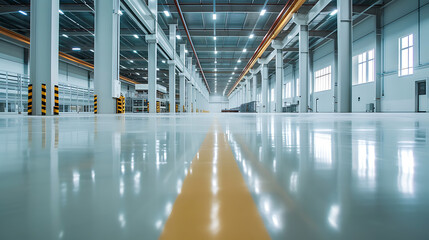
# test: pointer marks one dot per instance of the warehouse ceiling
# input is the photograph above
(239, 28)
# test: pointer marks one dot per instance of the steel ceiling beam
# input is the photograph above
(65, 7)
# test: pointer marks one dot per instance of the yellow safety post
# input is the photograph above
(119, 105)
(30, 100)
(147, 106)
(95, 104)
(177, 108)
(43, 99)
(183, 108)
(123, 104)
(158, 107)
(57, 101)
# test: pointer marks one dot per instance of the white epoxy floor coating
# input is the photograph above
(312, 176)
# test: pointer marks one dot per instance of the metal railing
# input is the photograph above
(14, 95)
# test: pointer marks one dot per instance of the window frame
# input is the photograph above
(323, 79)
(409, 49)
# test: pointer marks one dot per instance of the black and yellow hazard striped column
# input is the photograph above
(57, 101)
(95, 104)
(158, 107)
(177, 108)
(43, 99)
(30, 100)
(123, 104)
(147, 103)
(119, 105)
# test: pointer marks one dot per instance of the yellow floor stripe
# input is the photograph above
(214, 202)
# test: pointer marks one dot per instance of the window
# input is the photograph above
(406, 56)
(322, 79)
(366, 66)
(288, 90)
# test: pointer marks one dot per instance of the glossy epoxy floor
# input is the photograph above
(230, 176)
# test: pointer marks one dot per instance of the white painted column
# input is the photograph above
(254, 86)
(189, 97)
(194, 99)
(172, 71)
(378, 65)
(44, 52)
(172, 85)
(264, 91)
(152, 71)
(303, 68)
(152, 60)
(182, 80)
(279, 81)
(344, 55)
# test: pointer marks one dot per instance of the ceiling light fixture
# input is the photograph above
(136, 36)
(214, 16)
(76, 49)
(64, 35)
(252, 36)
(166, 13)
(214, 38)
(134, 51)
(61, 12)
(334, 12)
(263, 12)
(239, 61)
(244, 50)
(22, 12)
(178, 36)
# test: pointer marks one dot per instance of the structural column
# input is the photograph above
(344, 55)
(378, 65)
(189, 96)
(152, 71)
(264, 91)
(254, 85)
(279, 80)
(172, 85)
(303, 68)
(194, 99)
(182, 85)
(172, 71)
(44, 52)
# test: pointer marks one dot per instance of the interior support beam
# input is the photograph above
(264, 91)
(172, 71)
(279, 80)
(344, 55)
(44, 53)
(303, 68)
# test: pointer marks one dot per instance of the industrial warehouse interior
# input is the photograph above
(214, 119)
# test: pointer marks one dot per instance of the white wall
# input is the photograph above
(217, 103)
(11, 58)
(401, 18)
